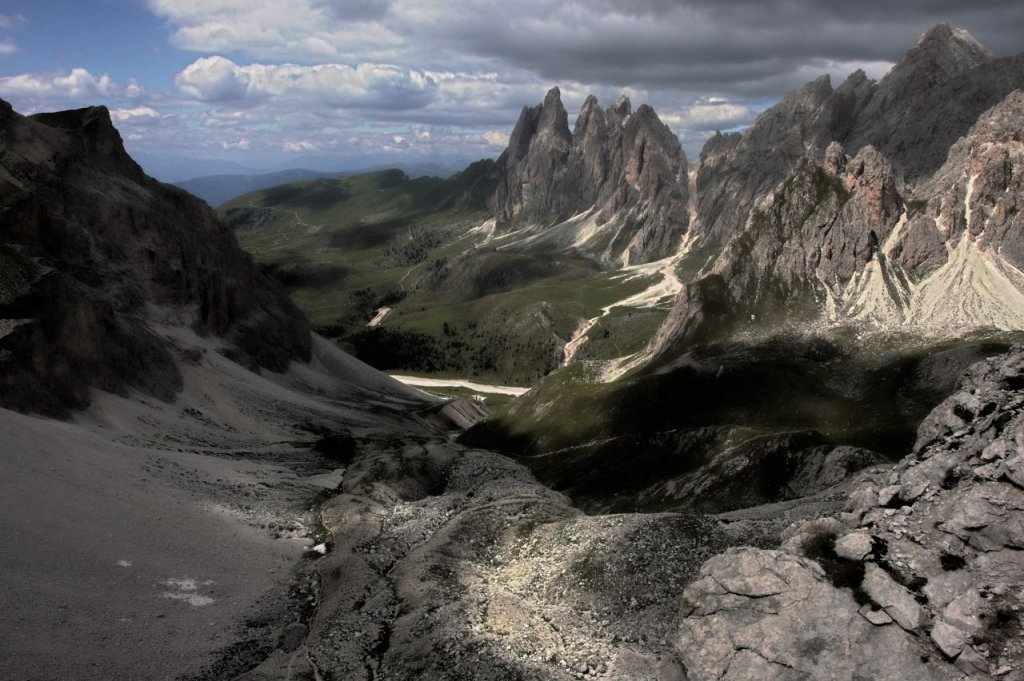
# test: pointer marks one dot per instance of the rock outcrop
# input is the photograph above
(890, 205)
(920, 578)
(95, 255)
(615, 187)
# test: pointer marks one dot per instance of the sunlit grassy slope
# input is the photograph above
(347, 247)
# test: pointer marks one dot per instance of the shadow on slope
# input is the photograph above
(756, 414)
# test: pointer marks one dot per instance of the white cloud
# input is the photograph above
(300, 146)
(134, 115)
(712, 113)
(298, 29)
(77, 83)
(133, 90)
(496, 138)
(7, 47)
(217, 79)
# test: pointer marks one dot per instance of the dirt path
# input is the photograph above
(667, 285)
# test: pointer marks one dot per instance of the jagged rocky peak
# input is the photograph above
(893, 204)
(946, 48)
(553, 116)
(931, 98)
(614, 188)
(942, 53)
(622, 108)
(94, 255)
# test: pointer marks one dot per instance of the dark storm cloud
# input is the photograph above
(438, 75)
(738, 46)
(357, 10)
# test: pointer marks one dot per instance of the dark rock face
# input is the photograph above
(624, 169)
(923, 569)
(94, 252)
(892, 204)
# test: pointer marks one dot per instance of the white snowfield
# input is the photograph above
(419, 382)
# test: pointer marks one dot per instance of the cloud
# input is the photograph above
(7, 47)
(496, 138)
(746, 48)
(711, 113)
(217, 79)
(135, 115)
(300, 146)
(241, 144)
(298, 29)
(78, 83)
(737, 47)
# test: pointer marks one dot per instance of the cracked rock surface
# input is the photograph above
(922, 577)
(453, 563)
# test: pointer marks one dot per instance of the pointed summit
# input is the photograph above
(590, 118)
(622, 106)
(947, 33)
(944, 51)
(553, 115)
(553, 97)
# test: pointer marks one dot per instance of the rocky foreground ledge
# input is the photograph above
(921, 578)
(451, 563)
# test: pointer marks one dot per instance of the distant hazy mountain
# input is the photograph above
(218, 189)
(221, 188)
(171, 168)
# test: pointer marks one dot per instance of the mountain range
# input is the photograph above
(774, 427)
(871, 204)
(219, 189)
(860, 208)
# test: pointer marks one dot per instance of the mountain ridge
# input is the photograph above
(102, 251)
(787, 234)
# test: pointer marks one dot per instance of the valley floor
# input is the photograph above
(147, 540)
(173, 541)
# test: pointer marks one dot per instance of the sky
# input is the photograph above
(338, 84)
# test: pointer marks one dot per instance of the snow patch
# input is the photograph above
(187, 589)
(421, 382)
(379, 318)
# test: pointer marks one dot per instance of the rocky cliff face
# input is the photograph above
(95, 256)
(889, 204)
(920, 577)
(615, 187)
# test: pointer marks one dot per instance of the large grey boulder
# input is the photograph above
(760, 615)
